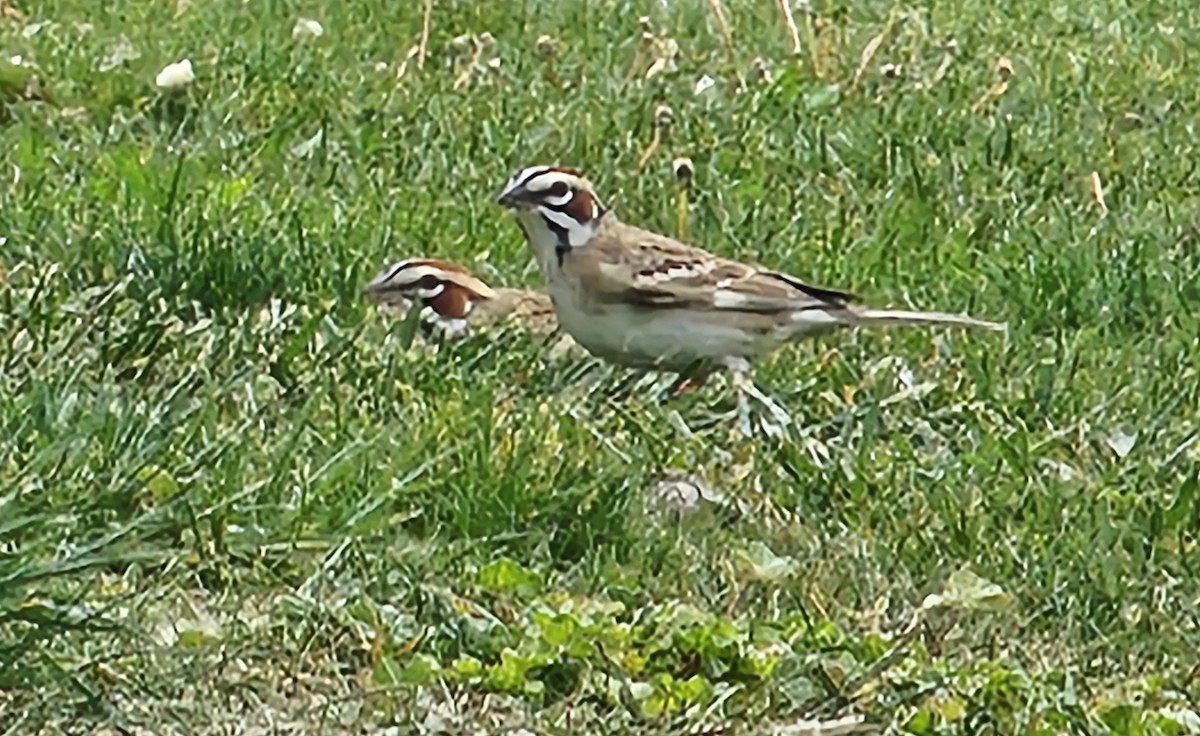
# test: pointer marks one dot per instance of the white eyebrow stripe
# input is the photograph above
(522, 178)
(394, 269)
(408, 276)
(533, 173)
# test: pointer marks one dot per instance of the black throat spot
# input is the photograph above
(564, 240)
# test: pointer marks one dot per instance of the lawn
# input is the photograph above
(235, 499)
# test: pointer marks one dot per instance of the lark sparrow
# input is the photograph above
(642, 299)
(453, 301)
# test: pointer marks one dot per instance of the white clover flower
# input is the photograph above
(174, 76)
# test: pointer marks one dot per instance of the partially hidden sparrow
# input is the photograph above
(645, 300)
(453, 302)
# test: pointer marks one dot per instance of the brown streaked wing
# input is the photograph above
(693, 275)
(828, 297)
(466, 280)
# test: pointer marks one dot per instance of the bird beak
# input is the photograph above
(510, 196)
(374, 286)
(381, 288)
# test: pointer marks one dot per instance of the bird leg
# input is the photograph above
(626, 383)
(684, 383)
(743, 382)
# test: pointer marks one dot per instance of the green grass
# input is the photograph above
(229, 496)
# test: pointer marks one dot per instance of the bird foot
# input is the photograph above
(776, 419)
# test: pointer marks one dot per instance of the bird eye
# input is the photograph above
(428, 282)
(558, 189)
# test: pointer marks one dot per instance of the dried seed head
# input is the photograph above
(546, 46)
(1097, 188)
(762, 70)
(494, 63)
(1131, 120)
(683, 169)
(952, 46)
(663, 116)
(486, 40)
(663, 51)
(658, 67)
(647, 26)
(891, 71)
(461, 43)
(677, 494)
(1004, 68)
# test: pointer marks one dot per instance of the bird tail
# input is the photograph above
(899, 317)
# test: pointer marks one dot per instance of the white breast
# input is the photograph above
(668, 339)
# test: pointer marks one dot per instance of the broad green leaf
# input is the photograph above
(467, 667)
(386, 673)
(823, 98)
(198, 631)
(1184, 508)
(14, 80)
(159, 482)
(508, 576)
(695, 689)
(556, 630)
(420, 670)
(921, 722)
(966, 590)
(761, 564)
(509, 674)
(1124, 720)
